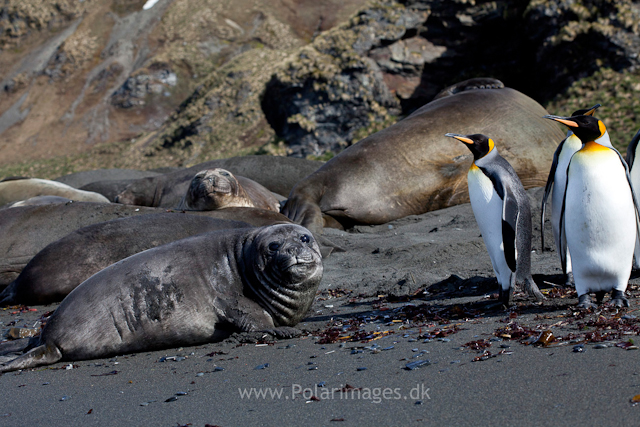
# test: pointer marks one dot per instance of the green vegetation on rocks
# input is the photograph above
(619, 94)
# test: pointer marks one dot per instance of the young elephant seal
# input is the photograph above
(218, 188)
(184, 293)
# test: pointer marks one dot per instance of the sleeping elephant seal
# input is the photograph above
(276, 173)
(37, 201)
(27, 230)
(410, 167)
(189, 292)
(80, 179)
(61, 266)
(15, 190)
(218, 188)
(109, 189)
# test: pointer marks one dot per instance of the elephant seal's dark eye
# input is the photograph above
(274, 246)
(224, 174)
(305, 238)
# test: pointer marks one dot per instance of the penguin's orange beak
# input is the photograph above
(564, 120)
(460, 138)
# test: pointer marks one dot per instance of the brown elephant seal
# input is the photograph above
(15, 190)
(109, 188)
(62, 265)
(80, 179)
(410, 167)
(192, 291)
(277, 174)
(27, 230)
(218, 188)
(477, 83)
(37, 201)
(108, 182)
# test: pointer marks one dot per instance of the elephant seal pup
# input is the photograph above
(218, 188)
(15, 190)
(278, 174)
(410, 167)
(189, 292)
(61, 266)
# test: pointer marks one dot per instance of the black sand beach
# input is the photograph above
(417, 289)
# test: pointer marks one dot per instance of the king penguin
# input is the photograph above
(599, 214)
(558, 179)
(634, 174)
(501, 207)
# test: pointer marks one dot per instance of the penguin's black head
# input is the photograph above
(586, 112)
(480, 145)
(587, 128)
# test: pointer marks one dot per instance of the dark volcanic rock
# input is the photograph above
(135, 89)
(576, 38)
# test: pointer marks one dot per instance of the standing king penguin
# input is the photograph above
(599, 214)
(634, 174)
(502, 211)
(558, 180)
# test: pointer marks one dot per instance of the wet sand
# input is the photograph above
(417, 289)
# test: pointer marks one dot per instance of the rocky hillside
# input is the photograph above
(107, 83)
(79, 76)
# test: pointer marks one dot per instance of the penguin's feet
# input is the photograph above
(570, 282)
(533, 291)
(618, 299)
(584, 301)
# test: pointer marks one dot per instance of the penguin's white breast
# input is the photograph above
(599, 213)
(487, 208)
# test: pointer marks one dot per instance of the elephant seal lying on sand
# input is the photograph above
(27, 230)
(277, 174)
(410, 167)
(218, 188)
(61, 266)
(15, 190)
(188, 292)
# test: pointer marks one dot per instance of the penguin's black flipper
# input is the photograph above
(510, 215)
(547, 189)
(631, 149)
(563, 236)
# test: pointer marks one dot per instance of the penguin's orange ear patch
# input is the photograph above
(491, 144)
(602, 128)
